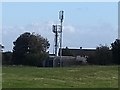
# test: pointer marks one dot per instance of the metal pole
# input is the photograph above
(56, 42)
(61, 45)
(56, 35)
(61, 20)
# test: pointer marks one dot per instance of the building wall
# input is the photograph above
(65, 61)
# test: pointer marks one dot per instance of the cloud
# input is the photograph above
(88, 36)
(11, 33)
(69, 29)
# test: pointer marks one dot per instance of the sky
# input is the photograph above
(85, 24)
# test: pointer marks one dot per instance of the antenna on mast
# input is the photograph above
(54, 28)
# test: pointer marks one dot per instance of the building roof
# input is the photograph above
(75, 52)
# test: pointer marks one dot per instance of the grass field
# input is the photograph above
(67, 77)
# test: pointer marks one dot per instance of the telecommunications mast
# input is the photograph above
(57, 29)
(54, 28)
(61, 20)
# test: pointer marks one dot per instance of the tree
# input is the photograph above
(103, 55)
(29, 49)
(116, 51)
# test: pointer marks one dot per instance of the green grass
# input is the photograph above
(67, 77)
(0, 77)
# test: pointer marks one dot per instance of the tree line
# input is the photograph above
(31, 49)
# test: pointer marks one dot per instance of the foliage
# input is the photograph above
(29, 48)
(7, 58)
(103, 55)
(116, 51)
(91, 59)
(35, 59)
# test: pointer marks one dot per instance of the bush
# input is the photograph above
(35, 59)
(103, 55)
(7, 58)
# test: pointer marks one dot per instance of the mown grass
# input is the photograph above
(66, 77)
(0, 77)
